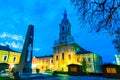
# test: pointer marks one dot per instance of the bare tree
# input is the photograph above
(116, 41)
(101, 15)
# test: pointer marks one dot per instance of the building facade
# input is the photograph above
(117, 58)
(44, 63)
(9, 56)
(67, 51)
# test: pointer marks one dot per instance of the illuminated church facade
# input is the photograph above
(67, 51)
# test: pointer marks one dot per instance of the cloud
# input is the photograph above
(36, 49)
(5, 35)
(16, 37)
(16, 45)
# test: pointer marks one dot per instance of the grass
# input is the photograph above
(5, 78)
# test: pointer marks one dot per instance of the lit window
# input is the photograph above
(62, 69)
(73, 69)
(14, 58)
(69, 56)
(42, 67)
(89, 59)
(111, 70)
(63, 56)
(57, 57)
(5, 58)
(83, 59)
(77, 60)
(52, 61)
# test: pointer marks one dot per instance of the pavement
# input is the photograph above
(61, 77)
(41, 76)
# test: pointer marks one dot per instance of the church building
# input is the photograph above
(66, 52)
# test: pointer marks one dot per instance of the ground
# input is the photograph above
(40, 76)
(63, 77)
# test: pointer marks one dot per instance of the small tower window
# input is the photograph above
(68, 29)
(62, 28)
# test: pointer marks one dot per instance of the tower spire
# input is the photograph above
(65, 31)
(65, 16)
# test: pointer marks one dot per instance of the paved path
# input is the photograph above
(50, 77)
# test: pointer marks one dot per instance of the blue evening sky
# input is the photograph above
(46, 15)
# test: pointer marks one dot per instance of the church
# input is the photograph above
(66, 52)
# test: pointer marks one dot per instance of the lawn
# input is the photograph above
(5, 78)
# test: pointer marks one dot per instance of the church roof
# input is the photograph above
(44, 56)
(110, 65)
(6, 48)
(83, 52)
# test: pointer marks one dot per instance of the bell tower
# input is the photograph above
(65, 31)
(64, 47)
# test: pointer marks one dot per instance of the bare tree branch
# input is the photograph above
(100, 15)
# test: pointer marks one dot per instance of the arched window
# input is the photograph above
(14, 59)
(69, 56)
(63, 56)
(62, 28)
(68, 29)
(5, 58)
(56, 57)
(52, 61)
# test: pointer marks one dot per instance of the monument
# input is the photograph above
(25, 64)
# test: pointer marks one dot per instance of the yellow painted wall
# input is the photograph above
(62, 64)
(10, 55)
(42, 64)
(90, 64)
